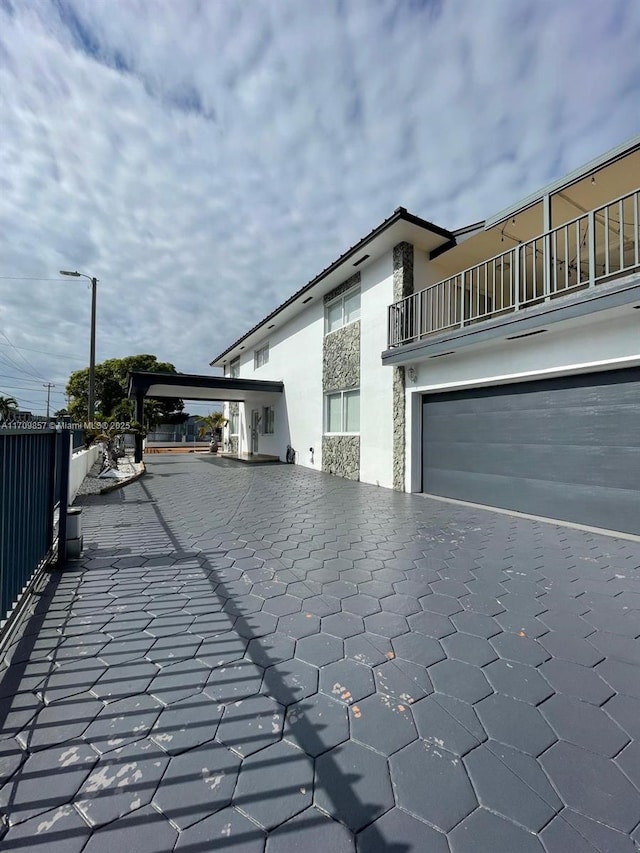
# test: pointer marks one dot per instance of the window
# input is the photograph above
(234, 368)
(261, 356)
(234, 421)
(342, 412)
(268, 420)
(345, 309)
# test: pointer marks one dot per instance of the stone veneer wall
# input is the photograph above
(341, 359)
(402, 286)
(341, 455)
(341, 371)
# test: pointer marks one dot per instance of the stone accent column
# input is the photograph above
(341, 371)
(402, 286)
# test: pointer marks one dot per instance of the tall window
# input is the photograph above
(234, 420)
(345, 309)
(234, 368)
(261, 356)
(342, 412)
(268, 420)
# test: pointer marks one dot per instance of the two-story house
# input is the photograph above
(497, 364)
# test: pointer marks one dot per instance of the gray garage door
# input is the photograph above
(564, 448)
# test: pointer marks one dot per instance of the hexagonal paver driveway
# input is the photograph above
(270, 659)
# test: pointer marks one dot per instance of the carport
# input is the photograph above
(190, 386)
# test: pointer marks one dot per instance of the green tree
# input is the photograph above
(111, 390)
(210, 425)
(8, 405)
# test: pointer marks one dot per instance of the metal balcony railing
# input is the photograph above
(591, 248)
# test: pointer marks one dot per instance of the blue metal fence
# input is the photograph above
(78, 439)
(34, 468)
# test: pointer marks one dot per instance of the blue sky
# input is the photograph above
(206, 159)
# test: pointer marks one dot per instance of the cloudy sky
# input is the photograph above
(206, 158)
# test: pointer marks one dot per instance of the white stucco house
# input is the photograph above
(497, 364)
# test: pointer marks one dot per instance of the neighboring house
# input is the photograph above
(497, 364)
(182, 432)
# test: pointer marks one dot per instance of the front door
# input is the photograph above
(255, 423)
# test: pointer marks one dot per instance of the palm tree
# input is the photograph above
(212, 423)
(7, 406)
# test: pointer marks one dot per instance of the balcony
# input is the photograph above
(595, 247)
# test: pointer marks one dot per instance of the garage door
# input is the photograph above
(565, 448)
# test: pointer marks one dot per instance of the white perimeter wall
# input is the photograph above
(79, 466)
(603, 341)
(376, 381)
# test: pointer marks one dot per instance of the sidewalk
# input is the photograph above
(271, 659)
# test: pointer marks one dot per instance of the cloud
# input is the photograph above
(204, 160)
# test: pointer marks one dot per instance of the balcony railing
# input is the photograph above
(584, 252)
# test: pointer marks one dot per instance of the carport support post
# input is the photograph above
(139, 415)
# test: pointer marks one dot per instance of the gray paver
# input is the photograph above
(584, 725)
(187, 723)
(30, 791)
(274, 785)
(251, 724)
(381, 633)
(484, 832)
(60, 830)
(123, 722)
(518, 681)
(65, 720)
(447, 800)
(122, 781)
(352, 785)
(515, 723)
(512, 784)
(448, 723)
(572, 831)
(347, 681)
(317, 724)
(227, 830)
(152, 832)
(459, 680)
(383, 723)
(197, 783)
(310, 830)
(593, 786)
(398, 830)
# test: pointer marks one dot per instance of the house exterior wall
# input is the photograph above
(295, 357)
(311, 364)
(596, 342)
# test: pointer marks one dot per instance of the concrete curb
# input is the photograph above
(121, 483)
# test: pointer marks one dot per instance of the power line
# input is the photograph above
(22, 388)
(32, 369)
(21, 378)
(26, 278)
(44, 352)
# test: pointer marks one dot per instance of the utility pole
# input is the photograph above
(48, 386)
(92, 356)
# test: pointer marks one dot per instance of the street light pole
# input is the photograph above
(91, 402)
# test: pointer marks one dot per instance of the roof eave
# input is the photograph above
(399, 214)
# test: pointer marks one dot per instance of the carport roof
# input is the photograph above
(192, 386)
